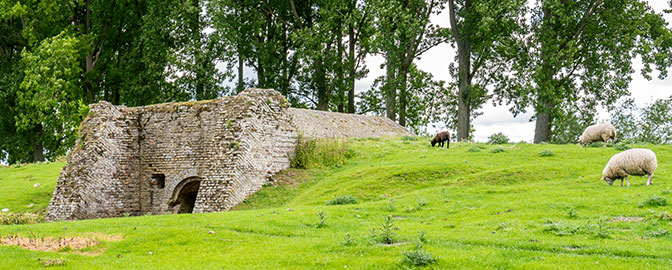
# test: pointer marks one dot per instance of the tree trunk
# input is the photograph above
(340, 70)
(403, 77)
(200, 62)
(542, 131)
(464, 92)
(351, 67)
(321, 85)
(38, 149)
(464, 73)
(89, 59)
(390, 90)
(241, 83)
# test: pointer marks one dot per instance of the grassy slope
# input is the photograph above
(482, 210)
(19, 189)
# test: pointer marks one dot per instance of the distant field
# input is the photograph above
(472, 207)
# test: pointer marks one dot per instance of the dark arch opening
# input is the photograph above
(184, 197)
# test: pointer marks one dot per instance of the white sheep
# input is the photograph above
(635, 161)
(599, 132)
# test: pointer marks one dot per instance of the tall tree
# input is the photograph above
(581, 52)
(484, 33)
(404, 33)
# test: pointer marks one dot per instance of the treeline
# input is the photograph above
(559, 58)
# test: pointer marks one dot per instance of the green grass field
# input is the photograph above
(470, 207)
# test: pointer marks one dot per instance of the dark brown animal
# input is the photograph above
(443, 136)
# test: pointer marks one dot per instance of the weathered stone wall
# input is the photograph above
(321, 124)
(100, 178)
(196, 157)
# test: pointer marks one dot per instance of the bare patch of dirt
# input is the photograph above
(60, 244)
(626, 219)
(393, 244)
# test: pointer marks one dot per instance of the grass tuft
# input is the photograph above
(410, 138)
(341, 200)
(546, 153)
(321, 153)
(497, 150)
(19, 218)
(653, 201)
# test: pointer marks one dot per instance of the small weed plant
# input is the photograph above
(348, 240)
(418, 256)
(321, 219)
(385, 233)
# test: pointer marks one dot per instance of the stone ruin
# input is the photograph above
(190, 157)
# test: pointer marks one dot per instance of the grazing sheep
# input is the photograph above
(635, 161)
(443, 136)
(599, 132)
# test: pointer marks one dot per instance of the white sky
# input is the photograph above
(499, 119)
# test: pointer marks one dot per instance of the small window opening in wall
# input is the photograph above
(158, 180)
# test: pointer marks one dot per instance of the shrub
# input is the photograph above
(19, 218)
(653, 201)
(621, 146)
(498, 138)
(321, 153)
(546, 153)
(340, 200)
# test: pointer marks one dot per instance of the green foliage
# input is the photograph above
(321, 153)
(651, 124)
(653, 201)
(498, 138)
(19, 218)
(52, 98)
(546, 153)
(341, 200)
(474, 149)
(579, 55)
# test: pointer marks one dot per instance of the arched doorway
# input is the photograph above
(184, 195)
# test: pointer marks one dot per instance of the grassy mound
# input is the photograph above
(416, 206)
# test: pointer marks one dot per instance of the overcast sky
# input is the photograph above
(499, 119)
